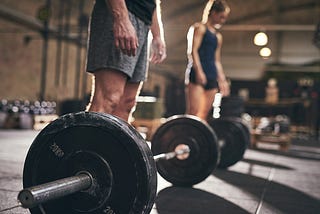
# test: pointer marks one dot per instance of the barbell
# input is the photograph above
(91, 162)
(231, 138)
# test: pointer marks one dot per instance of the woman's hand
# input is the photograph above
(224, 87)
(201, 78)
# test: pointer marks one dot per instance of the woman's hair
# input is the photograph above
(214, 6)
(219, 6)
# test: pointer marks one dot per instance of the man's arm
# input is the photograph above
(158, 47)
(125, 36)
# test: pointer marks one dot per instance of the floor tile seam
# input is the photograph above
(10, 208)
(9, 190)
(267, 184)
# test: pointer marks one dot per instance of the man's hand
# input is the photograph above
(158, 50)
(125, 36)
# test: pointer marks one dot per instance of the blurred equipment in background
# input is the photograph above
(17, 114)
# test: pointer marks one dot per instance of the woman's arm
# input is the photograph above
(221, 78)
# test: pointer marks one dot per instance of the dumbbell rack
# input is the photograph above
(283, 140)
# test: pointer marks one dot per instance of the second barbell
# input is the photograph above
(219, 143)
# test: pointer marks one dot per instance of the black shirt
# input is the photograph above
(143, 9)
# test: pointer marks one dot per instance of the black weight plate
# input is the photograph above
(244, 126)
(204, 151)
(232, 138)
(97, 143)
(246, 130)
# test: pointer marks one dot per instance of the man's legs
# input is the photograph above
(128, 101)
(108, 87)
(113, 94)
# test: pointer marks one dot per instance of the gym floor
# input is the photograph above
(265, 181)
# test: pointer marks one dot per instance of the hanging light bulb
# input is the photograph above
(265, 52)
(260, 39)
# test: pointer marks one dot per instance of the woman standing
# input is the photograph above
(204, 75)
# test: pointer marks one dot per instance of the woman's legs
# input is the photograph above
(198, 100)
(206, 105)
(193, 98)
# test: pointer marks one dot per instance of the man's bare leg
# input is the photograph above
(128, 101)
(109, 86)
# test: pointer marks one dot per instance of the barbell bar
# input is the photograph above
(181, 152)
(31, 197)
(96, 163)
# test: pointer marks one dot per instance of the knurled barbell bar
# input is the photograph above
(107, 164)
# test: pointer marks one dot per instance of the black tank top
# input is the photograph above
(143, 9)
(207, 52)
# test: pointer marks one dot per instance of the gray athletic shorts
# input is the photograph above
(102, 53)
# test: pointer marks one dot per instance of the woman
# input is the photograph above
(205, 75)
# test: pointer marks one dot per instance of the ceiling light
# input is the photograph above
(260, 39)
(265, 52)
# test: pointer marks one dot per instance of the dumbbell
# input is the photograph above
(90, 162)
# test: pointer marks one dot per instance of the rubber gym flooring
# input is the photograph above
(265, 181)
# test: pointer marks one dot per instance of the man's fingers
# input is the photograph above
(158, 57)
(122, 43)
(133, 45)
(127, 46)
(117, 43)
